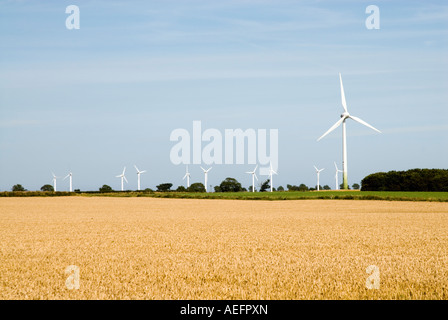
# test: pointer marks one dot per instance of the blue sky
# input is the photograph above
(108, 95)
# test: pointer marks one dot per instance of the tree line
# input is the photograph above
(409, 180)
(227, 185)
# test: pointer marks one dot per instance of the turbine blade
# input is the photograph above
(184, 177)
(203, 169)
(337, 124)
(364, 123)
(255, 176)
(66, 176)
(143, 171)
(336, 166)
(316, 168)
(136, 168)
(344, 103)
(125, 179)
(256, 168)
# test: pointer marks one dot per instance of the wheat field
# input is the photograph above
(149, 248)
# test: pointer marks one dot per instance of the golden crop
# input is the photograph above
(148, 248)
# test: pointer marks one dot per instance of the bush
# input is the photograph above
(105, 188)
(181, 189)
(196, 187)
(18, 187)
(47, 187)
(164, 187)
(230, 185)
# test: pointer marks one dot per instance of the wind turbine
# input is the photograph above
(271, 171)
(187, 175)
(122, 178)
(138, 176)
(205, 176)
(71, 185)
(344, 116)
(254, 176)
(54, 181)
(318, 173)
(336, 176)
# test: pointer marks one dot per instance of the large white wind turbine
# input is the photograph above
(138, 176)
(205, 176)
(318, 173)
(71, 185)
(344, 116)
(271, 171)
(336, 176)
(254, 176)
(122, 178)
(187, 175)
(54, 181)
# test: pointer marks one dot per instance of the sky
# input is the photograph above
(108, 95)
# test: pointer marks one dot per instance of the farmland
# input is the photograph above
(150, 248)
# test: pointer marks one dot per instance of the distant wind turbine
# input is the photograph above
(344, 116)
(318, 173)
(271, 171)
(122, 179)
(71, 185)
(54, 181)
(187, 175)
(254, 176)
(205, 176)
(336, 176)
(138, 176)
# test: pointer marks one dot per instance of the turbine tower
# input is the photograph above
(187, 175)
(205, 176)
(138, 176)
(71, 185)
(336, 176)
(318, 173)
(271, 171)
(344, 116)
(122, 178)
(54, 181)
(254, 176)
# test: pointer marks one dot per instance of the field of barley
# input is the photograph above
(150, 248)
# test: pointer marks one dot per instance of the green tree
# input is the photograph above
(18, 187)
(196, 187)
(217, 188)
(105, 188)
(326, 187)
(163, 187)
(181, 189)
(230, 185)
(265, 186)
(355, 186)
(47, 187)
(303, 187)
(280, 188)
